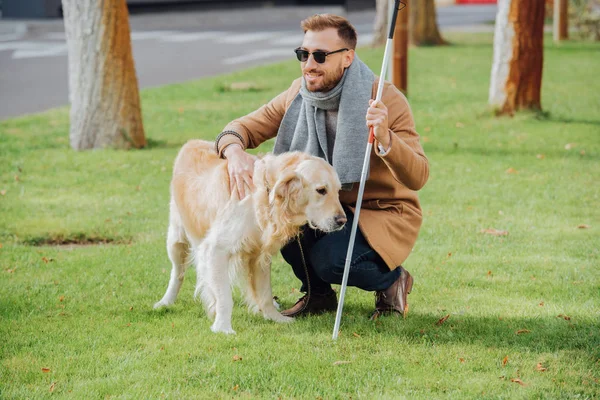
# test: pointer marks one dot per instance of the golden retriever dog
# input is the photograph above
(232, 240)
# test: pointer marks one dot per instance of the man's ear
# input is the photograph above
(348, 57)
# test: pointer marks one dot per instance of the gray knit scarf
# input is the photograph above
(303, 125)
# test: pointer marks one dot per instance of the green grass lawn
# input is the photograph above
(524, 309)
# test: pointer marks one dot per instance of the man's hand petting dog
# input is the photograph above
(240, 166)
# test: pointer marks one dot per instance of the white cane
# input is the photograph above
(363, 177)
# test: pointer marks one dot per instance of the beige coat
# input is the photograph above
(391, 215)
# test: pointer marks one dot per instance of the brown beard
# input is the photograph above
(329, 82)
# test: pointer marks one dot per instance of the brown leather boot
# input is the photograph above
(393, 299)
(316, 304)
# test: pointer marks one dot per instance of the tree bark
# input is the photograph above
(425, 30)
(380, 31)
(516, 77)
(561, 20)
(400, 59)
(103, 88)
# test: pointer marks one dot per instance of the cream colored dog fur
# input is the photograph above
(233, 241)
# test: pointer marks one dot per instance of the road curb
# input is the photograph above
(12, 30)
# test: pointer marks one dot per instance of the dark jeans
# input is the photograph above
(325, 256)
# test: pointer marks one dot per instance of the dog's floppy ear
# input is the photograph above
(289, 185)
(289, 190)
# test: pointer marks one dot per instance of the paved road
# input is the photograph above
(172, 47)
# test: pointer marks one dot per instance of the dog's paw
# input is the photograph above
(282, 319)
(162, 303)
(219, 329)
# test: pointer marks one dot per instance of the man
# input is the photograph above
(323, 113)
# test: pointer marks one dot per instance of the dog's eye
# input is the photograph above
(322, 191)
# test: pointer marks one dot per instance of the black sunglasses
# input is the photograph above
(319, 55)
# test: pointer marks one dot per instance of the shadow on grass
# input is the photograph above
(161, 144)
(548, 118)
(458, 148)
(542, 333)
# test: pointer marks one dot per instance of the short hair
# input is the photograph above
(320, 22)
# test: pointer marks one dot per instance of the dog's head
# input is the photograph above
(306, 189)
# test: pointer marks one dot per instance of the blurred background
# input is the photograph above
(180, 40)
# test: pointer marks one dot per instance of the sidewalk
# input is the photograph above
(186, 20)
(11, 30)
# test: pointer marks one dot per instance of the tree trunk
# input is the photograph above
(380, 31)
(400, 59)
(560, 20)
(103, 89)
(516, 78)
(425, 30)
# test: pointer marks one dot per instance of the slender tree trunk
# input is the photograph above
(561, 20)
(103, 89)
(400, 59)
(381, 22)
(425, 30)
(516, 78)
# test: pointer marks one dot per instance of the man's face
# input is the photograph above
(324, 77)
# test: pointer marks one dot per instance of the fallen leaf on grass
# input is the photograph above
(569, 146)
(521, 331)
(583, 226)
(47, 260)
(505, 361)
(489, 273)
(541, 304)
(52, 387)
(3, 192)
(236, 387)
(17, 178)
(511, 170)
(442, 320)
(582, 152)
(341, 362)
(494, 232)
(540, 156)
(462, 360)
(237, 358)
(517, 380)
(540, 368)
(427, 129)
(61, 298)
(460, 125)
(355, 334)
(565, 317)
(45, 370)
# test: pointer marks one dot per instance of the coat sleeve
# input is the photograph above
(405, 157)
(255, 128)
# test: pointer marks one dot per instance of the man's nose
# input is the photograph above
(310, 63)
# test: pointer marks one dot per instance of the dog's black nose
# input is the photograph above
(340, 220)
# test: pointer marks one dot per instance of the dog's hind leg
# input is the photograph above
(177, 248)
(260, 283)
(218, 284)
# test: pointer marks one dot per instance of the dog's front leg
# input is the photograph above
(217, 279)
(264, 293)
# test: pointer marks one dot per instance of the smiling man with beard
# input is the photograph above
(328, 113)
